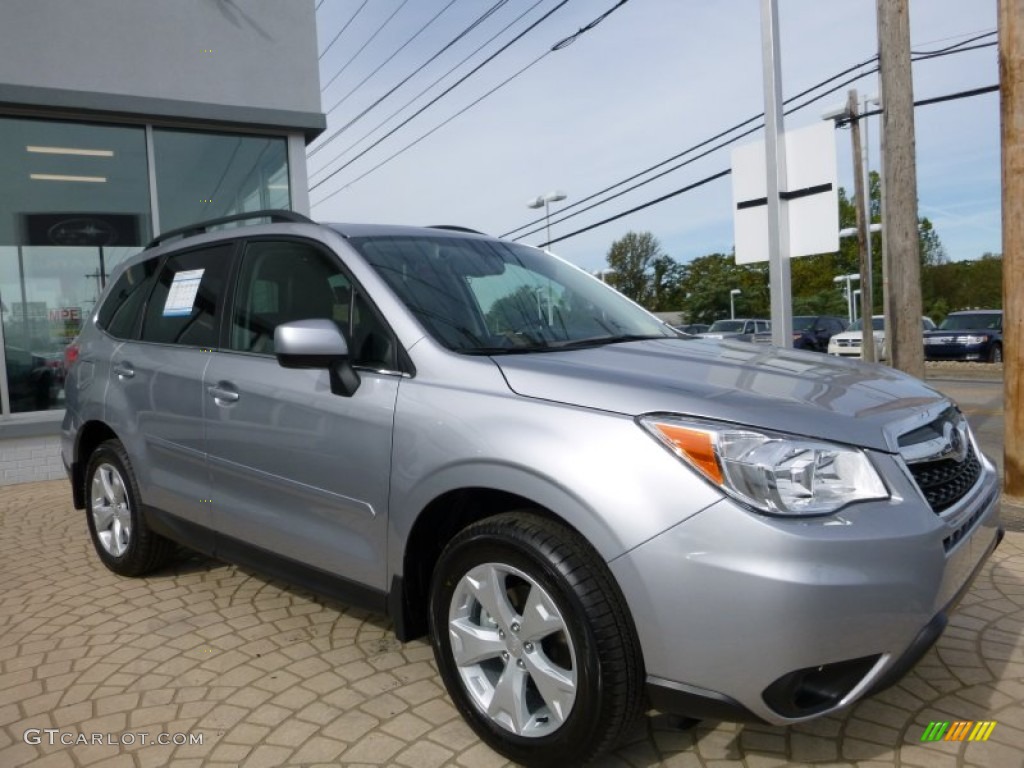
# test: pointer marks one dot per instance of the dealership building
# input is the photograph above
(120, 120)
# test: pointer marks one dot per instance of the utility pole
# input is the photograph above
(1011, 107)
(903, 305)
(867, 351)
(775, 157)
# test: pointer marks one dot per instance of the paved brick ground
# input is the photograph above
(273, 677)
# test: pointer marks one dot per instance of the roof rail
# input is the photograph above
(455, 228)
(201, 227)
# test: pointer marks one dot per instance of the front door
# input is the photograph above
(295, 469)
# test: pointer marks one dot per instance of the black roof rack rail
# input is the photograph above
(203, 226)
(455, 228)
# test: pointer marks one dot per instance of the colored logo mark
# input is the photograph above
(961, 730)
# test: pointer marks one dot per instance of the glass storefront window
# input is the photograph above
(74, 200)
(206, 175)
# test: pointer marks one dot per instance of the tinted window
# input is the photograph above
(972, 322)
(119, 316)
(284, 281)
(185, 305)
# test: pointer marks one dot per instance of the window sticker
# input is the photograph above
(182, 295)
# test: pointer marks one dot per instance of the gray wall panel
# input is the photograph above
(254, 54)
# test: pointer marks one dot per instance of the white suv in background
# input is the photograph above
(847, 344)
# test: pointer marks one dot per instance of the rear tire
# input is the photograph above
(123, 540)
(534, 641)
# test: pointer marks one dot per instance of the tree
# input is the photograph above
(708, 280)
(640, 270)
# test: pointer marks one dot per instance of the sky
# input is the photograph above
(654, 78)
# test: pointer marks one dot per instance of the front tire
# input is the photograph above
(117, 526)
(533, 640)
(995, 354)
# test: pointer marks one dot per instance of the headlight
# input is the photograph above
(773, 473)
(975, 339)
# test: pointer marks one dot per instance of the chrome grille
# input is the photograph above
(945, 482)
(942, 460)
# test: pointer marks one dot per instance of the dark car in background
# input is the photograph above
(810, 332)
(692, 329)
(969, 335)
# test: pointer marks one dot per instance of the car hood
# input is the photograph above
(791, 391)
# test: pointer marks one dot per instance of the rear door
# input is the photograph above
(155, 396)
(297, 470)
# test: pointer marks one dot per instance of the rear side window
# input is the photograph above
(120, 314)
(185, 305)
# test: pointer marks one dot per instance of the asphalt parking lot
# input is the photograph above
(263, 675)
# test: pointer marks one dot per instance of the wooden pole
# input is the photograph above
(1011, 107)
(867, 347)
(903, 305)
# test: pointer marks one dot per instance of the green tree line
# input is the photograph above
(638, 267)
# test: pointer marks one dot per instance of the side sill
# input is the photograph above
(241, 553)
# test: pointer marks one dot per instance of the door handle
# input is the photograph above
(223, 395)
(124, 370)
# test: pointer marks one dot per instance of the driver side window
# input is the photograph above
(283, 281)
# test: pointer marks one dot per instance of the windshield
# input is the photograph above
(803, 322)
(726, 326)
(490, 297)
(991, 321)
(877, 324)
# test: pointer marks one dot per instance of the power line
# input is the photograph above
(479, 19)
(694, 148)
(373, 130)
(386, 61)
(923, 55)
(955, 45)
(437, 127)
(648, 204)
(920, 103)
(342, 30)
(444, 93)
(362, 48)
(560, 45)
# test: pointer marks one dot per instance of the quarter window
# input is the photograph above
(119, 315)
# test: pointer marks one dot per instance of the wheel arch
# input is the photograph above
(438, 522)
(90, 435)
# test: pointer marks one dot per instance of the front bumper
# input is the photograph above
(956, 351)
(747, 617)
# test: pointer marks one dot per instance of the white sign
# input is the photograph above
(182, 295)
(810, 200)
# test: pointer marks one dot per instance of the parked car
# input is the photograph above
(741, 329)
(847, 344)
(810, 332)
(971, 335)
(588, 514)
(693, 329)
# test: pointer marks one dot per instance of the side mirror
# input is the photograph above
(317, 343)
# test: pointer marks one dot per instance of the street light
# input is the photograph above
(544, 201)
(732, 302)
(849, 296)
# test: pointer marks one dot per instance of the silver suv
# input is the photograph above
(589, 514)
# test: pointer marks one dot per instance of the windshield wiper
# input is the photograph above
(600, 341)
